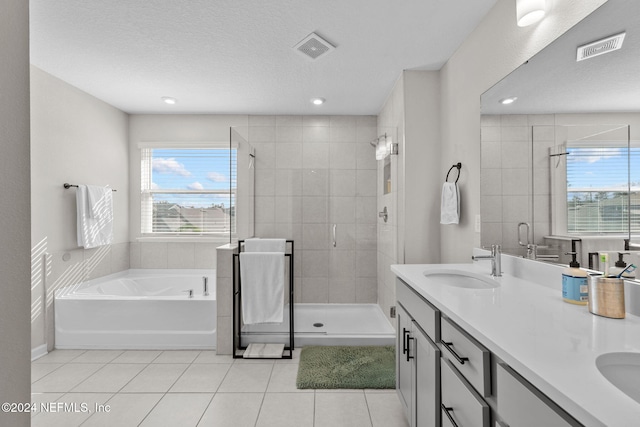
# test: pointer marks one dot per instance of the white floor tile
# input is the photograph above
(201, 378)
(71, 410)
(286, 410)
(177, 356)
(111, 378)
(97, 356)
(247, 377)
(283, 379)
(125, 410)
(60, 356)
(178, 409)
(385, 410)
(232, 409)
(155, 378)
(294, 359)
(212, 357)
(341, 409)
(65, 378)
(39, 370)
(46, 399)
(137, 356)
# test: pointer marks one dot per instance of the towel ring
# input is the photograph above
(457, 166)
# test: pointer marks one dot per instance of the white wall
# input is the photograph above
(412, 232)
(79, 139)
(15, 221)
(494, 49)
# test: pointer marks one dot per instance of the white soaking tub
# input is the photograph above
(138, 309)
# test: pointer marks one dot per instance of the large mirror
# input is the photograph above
(558, 166)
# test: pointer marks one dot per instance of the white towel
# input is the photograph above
(262, 279)
(265, 245)
(450, 207)
(95, 216)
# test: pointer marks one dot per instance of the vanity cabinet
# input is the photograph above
(417, 361)
(458, 382)
(521, 405)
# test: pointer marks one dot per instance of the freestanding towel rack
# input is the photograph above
(238, 347)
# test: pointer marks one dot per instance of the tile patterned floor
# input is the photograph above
(193, 388)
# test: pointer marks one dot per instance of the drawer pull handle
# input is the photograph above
(409, 356)
(448, 346)
(405, 334)
(446, 411)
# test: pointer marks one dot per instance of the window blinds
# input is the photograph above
(598, 182)
(188, 190)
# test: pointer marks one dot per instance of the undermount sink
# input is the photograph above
(461, 279)
(623, 371)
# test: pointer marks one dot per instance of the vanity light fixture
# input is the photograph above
(507, 101)
(169, 100)
(530, 11)
(318, 101)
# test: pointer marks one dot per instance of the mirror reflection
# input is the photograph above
(559, 163)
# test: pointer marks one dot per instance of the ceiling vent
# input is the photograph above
(313, 47)
(600, 47)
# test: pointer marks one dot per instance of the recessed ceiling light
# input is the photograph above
(507, 101)
(169, 100)
(318, 101)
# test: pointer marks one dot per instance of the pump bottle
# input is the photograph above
(575, 288)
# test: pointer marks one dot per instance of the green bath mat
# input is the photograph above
(347, 367)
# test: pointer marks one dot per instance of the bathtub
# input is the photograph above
(138, 309)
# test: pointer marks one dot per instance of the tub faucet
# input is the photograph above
(205, 286)
(496, 264)
(190, 292)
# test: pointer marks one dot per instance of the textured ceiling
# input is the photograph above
(553, 82)
(236, 56)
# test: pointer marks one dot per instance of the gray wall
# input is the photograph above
(15, 221)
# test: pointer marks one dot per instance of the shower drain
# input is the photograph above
(318, 325)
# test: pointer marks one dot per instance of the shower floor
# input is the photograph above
(327, 324)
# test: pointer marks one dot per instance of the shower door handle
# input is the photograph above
(335, 227)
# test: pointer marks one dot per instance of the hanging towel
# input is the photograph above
(265, 245)
(95, 216)
(262, 279)
(450, 207)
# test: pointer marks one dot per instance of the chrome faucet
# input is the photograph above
(495, 257)
(205, 286)
(190, 291)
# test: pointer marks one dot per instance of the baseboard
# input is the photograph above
(38, 352)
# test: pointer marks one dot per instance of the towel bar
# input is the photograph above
(457, 166)
(66, 185)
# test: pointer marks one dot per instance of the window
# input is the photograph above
(188, 191)
(597, 189)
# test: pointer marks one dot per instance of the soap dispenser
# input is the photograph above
(575, 288)
(619, 267)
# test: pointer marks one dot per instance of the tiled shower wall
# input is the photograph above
(313, 172)
(515, 177)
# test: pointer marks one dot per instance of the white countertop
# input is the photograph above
(551, 343)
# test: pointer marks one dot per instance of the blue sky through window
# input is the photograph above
(195, 170)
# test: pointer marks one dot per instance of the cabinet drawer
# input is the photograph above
(426, 315)
(467, 355)
(522, 405)
(461, 406)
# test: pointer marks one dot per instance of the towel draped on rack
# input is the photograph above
(94, 215)
(262, 279)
